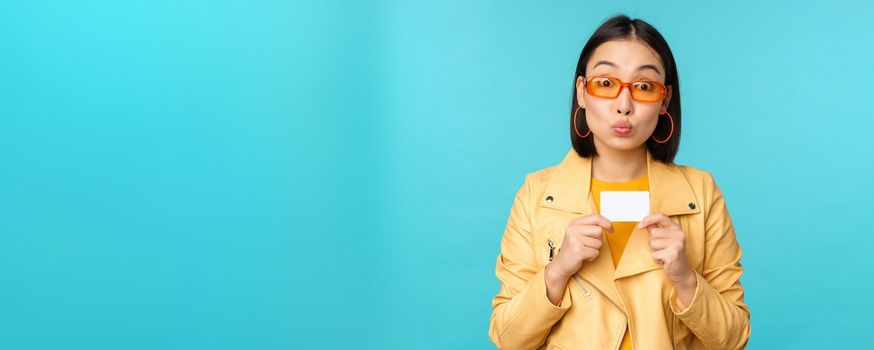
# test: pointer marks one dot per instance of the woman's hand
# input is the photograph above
(582, 242)
(668, 241)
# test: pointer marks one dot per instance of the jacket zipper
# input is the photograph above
(551, 245)
(551, 248)
(577, 279)
(619, 342)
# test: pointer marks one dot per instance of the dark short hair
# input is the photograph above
(621, 27)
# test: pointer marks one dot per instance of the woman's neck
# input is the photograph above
(619, 165)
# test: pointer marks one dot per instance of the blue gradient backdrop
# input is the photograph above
(287, 175)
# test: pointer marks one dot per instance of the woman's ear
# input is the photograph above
(581, 102)
(667, 101)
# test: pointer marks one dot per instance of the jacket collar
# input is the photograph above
(670, 193)
(569, 189)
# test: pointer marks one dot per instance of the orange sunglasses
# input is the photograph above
(609, 87)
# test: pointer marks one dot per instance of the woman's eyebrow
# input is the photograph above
(645, 66)
(649, 66)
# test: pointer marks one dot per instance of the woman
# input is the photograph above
(571, 278)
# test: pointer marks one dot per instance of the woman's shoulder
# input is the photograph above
(540, 177)
(535, 183)
(693, 173)
(700, 180)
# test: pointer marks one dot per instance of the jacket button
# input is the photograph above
(548, 199)
(691, 205)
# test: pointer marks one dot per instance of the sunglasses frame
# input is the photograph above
(629, 85)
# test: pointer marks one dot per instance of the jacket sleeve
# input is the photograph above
(717, 314)
(522, 314)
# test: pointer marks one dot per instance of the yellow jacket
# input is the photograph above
(601, 300)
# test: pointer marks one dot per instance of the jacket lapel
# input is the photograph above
(671, 194)
(569, 190)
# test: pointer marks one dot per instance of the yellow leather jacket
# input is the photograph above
(601, 300)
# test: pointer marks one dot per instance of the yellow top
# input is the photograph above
(622, 230)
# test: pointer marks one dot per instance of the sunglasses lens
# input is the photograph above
(604, 87)
(646, 91)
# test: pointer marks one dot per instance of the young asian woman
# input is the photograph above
(572, 279)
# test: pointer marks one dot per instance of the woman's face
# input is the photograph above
(628, 60)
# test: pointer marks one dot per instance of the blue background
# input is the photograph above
(277, 175)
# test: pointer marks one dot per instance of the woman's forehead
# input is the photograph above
(627, 57)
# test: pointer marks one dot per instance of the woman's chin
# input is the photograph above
(623, 143)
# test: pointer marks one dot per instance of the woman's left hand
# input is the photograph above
(667, 240)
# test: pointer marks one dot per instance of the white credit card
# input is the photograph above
(624, 205)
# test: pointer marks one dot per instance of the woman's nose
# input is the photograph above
(624, 105)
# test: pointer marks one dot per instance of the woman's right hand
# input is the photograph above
(582, 242)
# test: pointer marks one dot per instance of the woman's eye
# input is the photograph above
(605, 83)
(644, 86)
